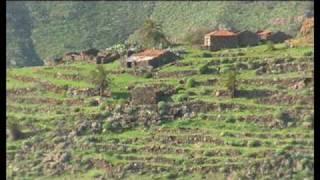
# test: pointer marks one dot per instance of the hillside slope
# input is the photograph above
(197, 132)
(56, 27)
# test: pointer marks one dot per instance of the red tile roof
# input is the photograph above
(221, 33)
(150, 52)
(264, 32)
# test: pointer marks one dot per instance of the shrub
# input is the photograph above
(191, 83)
(93, 102)
(147, 75)
(206, 55)
(179, 88)
(100, 79)
(231, 83)
(202, 116)
(77, 109)
(196, 36)
(203, 69)
(309, 118)
(230, 119)
(191, 93)
(182, 97)
(254, 143)
(205, 91)
(14, 131)
(208, 153)
(270, 46)
(282, 117)
(162, 105)
(308, 53)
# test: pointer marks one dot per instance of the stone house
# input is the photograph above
(264, 35)
(71, 56)
(279, 37)
(248, 38)
(150, 58)
(220, 39)
(89, 54)
(103, 58)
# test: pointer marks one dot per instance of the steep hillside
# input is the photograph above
(196, 132)
(56, 27)
(20, 49)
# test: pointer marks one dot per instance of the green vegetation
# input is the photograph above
(231, 83)
(37, 30)
(150, 35)
(100, 79)
(69, 131)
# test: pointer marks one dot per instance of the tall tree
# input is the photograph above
(100, 79)
(151, 35)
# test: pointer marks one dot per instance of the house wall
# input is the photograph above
(248, 39)
(279, 37)
(155, 62)
(218, 42)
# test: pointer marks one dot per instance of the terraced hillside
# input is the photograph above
(196, 132)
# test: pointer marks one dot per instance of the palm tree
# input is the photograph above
(151, 34)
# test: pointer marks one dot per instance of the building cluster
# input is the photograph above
(215, 40)
(224, 39)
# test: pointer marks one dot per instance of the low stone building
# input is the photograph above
(264, 35)
(151, 94)
(279, 37)
(220, 39)
(71, 56)
(248, 38)
(89, 54)
(103, 58)
(150, 58)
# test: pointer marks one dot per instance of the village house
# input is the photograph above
(220, 39)
(248, 38)
(264, 35)
(103, 58)
(277, 37)
(150, 58)
(89, 54)
(71, 56)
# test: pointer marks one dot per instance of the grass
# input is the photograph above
(234, 142)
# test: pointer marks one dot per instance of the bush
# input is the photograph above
(195, 37)
(182, 97)
(203, 69)
(308, 53)
(191, 83)
(77, 109)
(147, 75)
(93, 102)
(206, 55)
(270, 46)
(282, 117)
(231, 83)
(208, 153)
(162, 105)
(14, 131)
(205, 91)
(254, 143)
(179, 88)
(230, 119)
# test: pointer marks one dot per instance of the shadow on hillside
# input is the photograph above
(251, 94)
(120, 95)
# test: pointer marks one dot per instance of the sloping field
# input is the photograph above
(265, 132)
